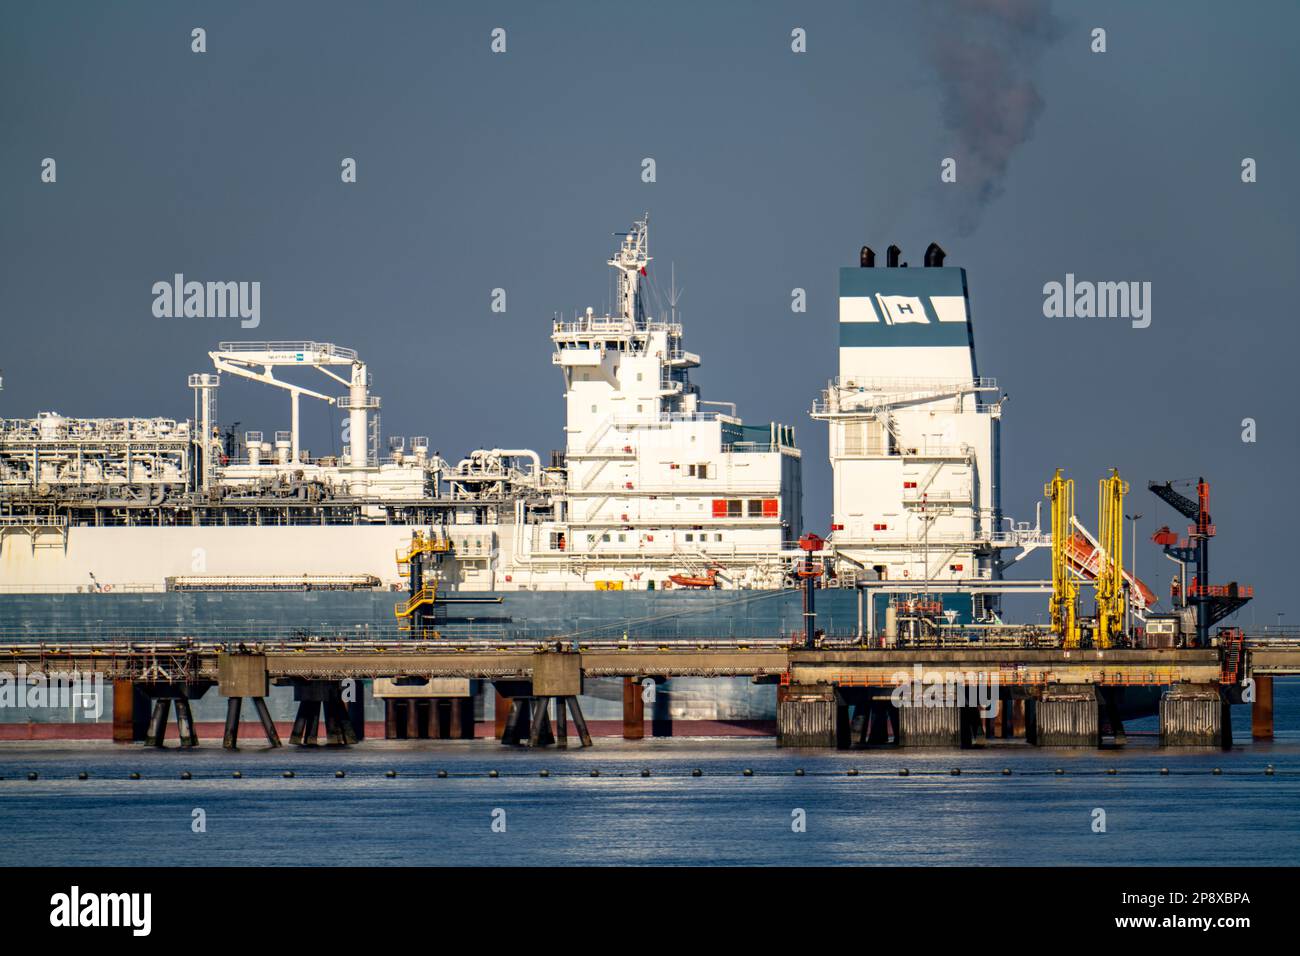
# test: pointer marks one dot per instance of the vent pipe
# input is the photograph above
(891, 256)
(867, 258)
(934, 256)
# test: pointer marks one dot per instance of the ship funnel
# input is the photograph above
(891, 256)
(934, 256)
(867, 258)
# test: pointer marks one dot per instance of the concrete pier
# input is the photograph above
(808, 717)
(923, 726)
(1195, 715)
(1067, 716)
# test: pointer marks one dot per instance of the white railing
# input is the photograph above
(320, 348)
(983, 383)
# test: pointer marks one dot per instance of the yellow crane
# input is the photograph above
(1064, 606)
(1110, 560)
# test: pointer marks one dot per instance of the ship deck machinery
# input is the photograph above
(141, 472)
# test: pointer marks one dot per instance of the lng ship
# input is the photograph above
(665, 516)
(690, 514)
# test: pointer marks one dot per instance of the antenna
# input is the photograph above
(674, 294)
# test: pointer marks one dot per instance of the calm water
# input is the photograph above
(722, 817)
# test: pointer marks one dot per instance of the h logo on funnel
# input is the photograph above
(901, 309)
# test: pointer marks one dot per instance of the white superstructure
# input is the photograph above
(656, 488)
(658, 484)
(913, 432)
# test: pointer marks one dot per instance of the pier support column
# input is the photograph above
(1261, 711)
(230, 741)
(158, 722)
(920, 725)
(661, 719)
(1066, 716)
(501, 710)
(234, 706)
(240, 676)
(809, 716)
(633, 710)
(356, 709)
(1195, 715)
(462, 718)
(1018, 719)
(1111, 698)
(185, 723)
(518, 721)
(539, 733)
(883, 716)
(268, 725)
(130, 712)
(315, 696)
(556, 676)
(584, 736)
(1002, 722)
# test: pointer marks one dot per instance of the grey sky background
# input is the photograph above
(479, 170)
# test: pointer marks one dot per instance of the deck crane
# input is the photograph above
(244, 358)
(1212, 602)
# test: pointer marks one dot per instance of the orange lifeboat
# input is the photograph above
(1083, 557)
(708, 580)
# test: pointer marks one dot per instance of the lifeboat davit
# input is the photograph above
(1083, 558)
(707, 580)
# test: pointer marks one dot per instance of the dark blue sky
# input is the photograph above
(479, 170)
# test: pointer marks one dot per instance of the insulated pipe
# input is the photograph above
(528, 453)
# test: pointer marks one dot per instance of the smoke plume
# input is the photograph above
(986, 55)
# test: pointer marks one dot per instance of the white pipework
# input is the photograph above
(358, 418)
(528, 453)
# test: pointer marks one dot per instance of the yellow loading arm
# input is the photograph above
(1064, 605)
(1110, 564)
